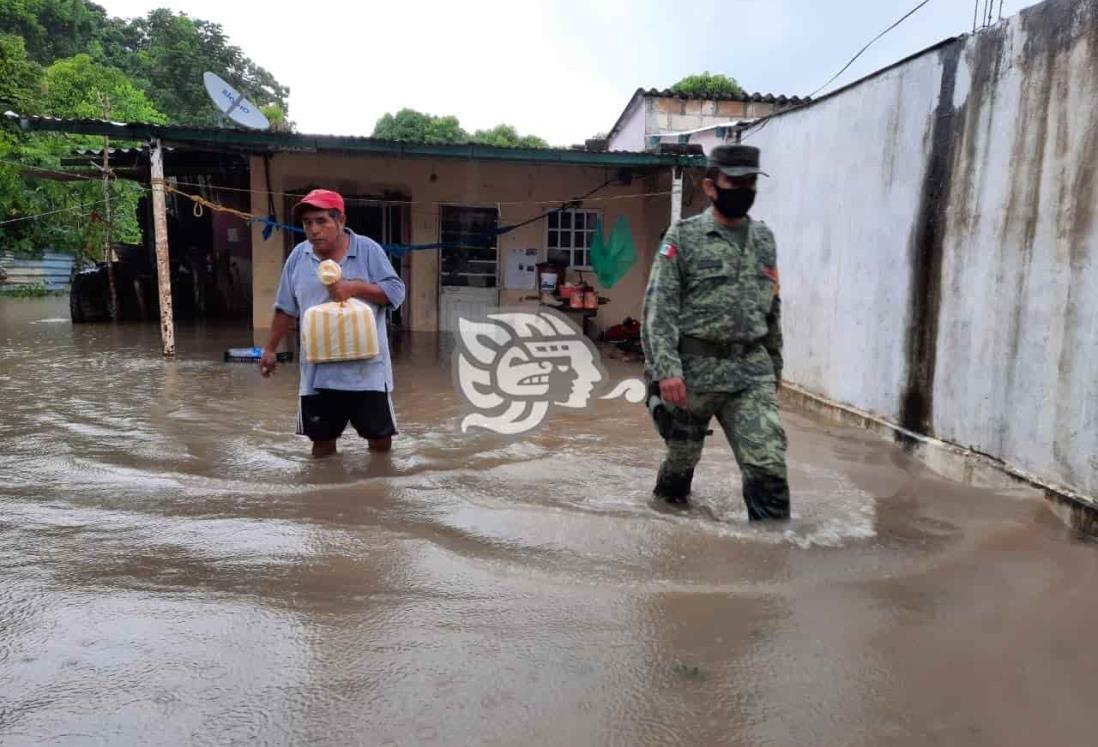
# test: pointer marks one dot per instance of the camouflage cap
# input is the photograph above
(736, 160)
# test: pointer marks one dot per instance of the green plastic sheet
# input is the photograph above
(613, 257)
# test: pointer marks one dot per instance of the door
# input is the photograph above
(468, 263)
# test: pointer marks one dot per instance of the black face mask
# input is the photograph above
(734, 203)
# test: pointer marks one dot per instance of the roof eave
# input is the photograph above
(273, 142)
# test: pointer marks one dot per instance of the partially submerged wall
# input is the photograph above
(937, 242)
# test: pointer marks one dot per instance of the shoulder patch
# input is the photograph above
(669, 249)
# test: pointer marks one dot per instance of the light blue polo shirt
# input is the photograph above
(300, 289)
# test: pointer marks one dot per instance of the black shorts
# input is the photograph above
(324, 415)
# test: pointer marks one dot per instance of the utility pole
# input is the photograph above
(163, 267)
(676, 194)
(108, 253)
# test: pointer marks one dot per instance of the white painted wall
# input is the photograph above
(631, 135)
(843, 192)
(1016, 344)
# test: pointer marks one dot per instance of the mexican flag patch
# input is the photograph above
(669, 250)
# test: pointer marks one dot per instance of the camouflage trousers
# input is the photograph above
(751, 423)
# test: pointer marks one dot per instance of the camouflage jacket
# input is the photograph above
(704, 284)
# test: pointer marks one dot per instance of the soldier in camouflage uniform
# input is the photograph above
(713, 342)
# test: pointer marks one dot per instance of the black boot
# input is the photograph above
(767, 497)
(674, 487)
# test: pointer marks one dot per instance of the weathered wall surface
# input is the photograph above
(937, 242)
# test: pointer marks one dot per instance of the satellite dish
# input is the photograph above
(233, 104)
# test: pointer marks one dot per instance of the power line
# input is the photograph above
(758, 126)
(35, 216)
(870, 44)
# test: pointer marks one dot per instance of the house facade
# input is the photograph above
(652, 118)
(447, 197)
(544, 204)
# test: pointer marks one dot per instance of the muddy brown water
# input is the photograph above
(174, 569)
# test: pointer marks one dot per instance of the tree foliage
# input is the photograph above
(20, 77)
(707, 84)
(413, 126)
(78, 87)
(506, 136)
(73, 87)
(68, 58)
(53, 29)
(416, 127)
(166, 53)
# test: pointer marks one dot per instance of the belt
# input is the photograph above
(711, 349)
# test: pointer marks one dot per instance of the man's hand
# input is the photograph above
(268, 362)
(342, 290)
(673, 392)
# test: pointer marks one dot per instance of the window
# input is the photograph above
(569, 234)
(470, 258)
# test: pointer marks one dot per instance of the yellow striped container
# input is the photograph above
(334, 332)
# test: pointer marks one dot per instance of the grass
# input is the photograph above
(34, 290)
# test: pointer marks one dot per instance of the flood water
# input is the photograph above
(175, 569)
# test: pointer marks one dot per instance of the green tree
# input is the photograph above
(416, 127)
(20, 78)
(52, 29)
(73, 87)
(412, 126)
(22, 86)
(280, 122)
(707, 84)
(506, 136)
(76, 87)
(166, 53)
(67, 58)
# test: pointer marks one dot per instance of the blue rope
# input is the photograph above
(399, 250)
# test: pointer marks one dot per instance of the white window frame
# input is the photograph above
(590, 217)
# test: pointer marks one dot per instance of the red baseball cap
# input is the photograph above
(325, 199)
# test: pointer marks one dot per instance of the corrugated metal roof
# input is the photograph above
(252, 141)
(765, 98)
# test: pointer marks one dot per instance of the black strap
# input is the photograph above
(711, 349)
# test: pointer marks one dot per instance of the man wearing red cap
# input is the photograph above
(335, 394)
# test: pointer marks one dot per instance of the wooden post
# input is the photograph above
(676, 194)
(108, 253)
(163, 268)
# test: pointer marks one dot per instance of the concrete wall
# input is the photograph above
(654, 115)
(665, 114)
(631, 135)
(937, 242)
(431, 182)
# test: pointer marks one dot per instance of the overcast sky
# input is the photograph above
(561, 69)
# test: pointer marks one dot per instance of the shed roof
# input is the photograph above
(260, 142)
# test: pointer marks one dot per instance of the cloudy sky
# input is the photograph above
(561, 69)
